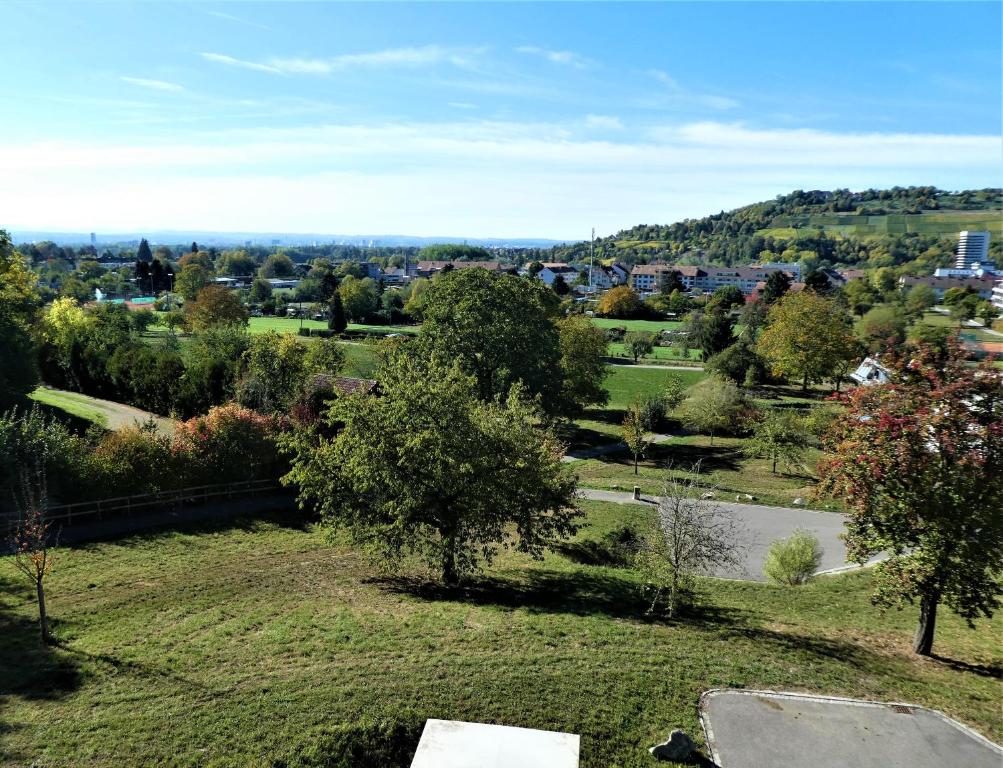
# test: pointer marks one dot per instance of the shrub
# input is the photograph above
(304, 331)
(133, 460)
(652, 412)
(794, 560)
(228, 444)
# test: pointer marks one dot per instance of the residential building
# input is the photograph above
(552, 269)
(983, 286)
(975, 269)
(870, 372)
(429, 268)
(646, 278)
(997, 295)
(972, 247)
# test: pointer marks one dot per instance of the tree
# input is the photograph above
(358, 296)
(236, 264)
(214, 306)
(18, 311)
(336, 319)
(534, 268)
(674, 392)
(639, 343)
(430, 468)
(143, 253)
(500, 329)
(859, 295)
(920, 298)
(986, 312)
(964, 309)
(777, 285)
(726, 297)
(583, 349)
(779, 436)
(818, 282)
(794, 560)
(715, 405)
(192, 279)
(807, 336)
(918, 461)
(30, 544)
(261, 290)
(740, 363)
(621, 301)
(273, 372)
(560, 287)
(712, 332)
(635, 433)
(277, 265)
(692, 537)
(883, 326)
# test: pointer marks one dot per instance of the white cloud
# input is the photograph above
(462, 178)
(676, 93)
(156, 85)
(567, 58)
(237, 19)
(221, 58)
(608, 122)
(414, 57)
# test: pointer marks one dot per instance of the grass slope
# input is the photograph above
(71, 403)
(264, 644)
(946, 223)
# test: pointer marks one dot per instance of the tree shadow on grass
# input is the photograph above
(712, 458)
(983, 670)
(581, 593)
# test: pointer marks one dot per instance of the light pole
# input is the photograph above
(592, 248)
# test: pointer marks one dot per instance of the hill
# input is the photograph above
(870, 228)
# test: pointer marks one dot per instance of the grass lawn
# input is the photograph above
(72, 403)
(626, 382)
(971, 334)
(638, 325)
(723, 466)
(292, 325)
(658, 354)
(261, 643)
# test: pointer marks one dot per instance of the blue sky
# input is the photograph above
(481, 120)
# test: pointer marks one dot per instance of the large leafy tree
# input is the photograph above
(621, 301)
(583, 347)
(715, 405)
(919, 462)
(500, 329)
(779, 436)
(214, 306)
(712, 332)
(18, 309)
(807, 337)
(192, 279)
(429, 468)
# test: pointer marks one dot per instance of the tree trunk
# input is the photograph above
(774, 465)
(43, 618)
(922, 642)
(449, 573)
(804, 383)
(635, 463)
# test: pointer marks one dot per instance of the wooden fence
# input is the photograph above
(125, 506)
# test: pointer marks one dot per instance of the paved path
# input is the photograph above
(764, 525)
(763, 729)
(116, 415)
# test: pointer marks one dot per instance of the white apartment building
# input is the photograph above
(972, 247)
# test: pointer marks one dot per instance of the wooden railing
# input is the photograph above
(124, 506)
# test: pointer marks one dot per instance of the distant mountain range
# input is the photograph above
(229, 239)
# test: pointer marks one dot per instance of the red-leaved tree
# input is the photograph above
(919, 461)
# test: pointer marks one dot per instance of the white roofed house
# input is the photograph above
(870, 372)
(552, 269)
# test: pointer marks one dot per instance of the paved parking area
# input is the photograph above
(762, 729)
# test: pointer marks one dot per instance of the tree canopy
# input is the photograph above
(431, 469)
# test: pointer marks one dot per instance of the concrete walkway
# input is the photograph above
(763, 526)
(764, 729)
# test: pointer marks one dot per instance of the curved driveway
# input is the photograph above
(763, 525)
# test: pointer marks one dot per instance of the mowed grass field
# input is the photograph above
(655, 326)
(292, 325)
(265, 643)
(625, 383)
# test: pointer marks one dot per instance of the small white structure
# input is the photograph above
(870, 372)
(455, 744)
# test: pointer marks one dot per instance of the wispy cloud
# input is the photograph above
(237, 19)
(567, 58)
(156, 85)
(411, 57)
(607, 122)
(221, 58)
(680, 94)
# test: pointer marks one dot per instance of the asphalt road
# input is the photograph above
(763, 526)
(763, 729)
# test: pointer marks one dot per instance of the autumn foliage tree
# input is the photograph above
(621, 301)
(214, 306)
(919, 462)
(807, 337)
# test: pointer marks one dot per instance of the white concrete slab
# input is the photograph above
(455, 744)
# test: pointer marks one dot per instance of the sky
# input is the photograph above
(480, 120)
